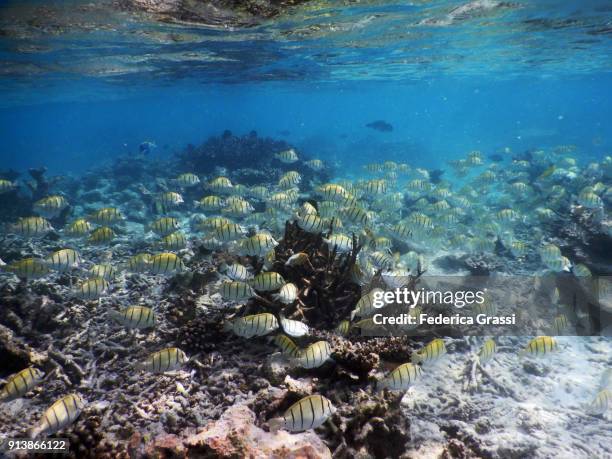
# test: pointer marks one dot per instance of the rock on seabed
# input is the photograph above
(236, 435)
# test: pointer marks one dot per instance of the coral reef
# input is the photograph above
(248, 159)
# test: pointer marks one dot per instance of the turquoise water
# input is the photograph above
(81, 83)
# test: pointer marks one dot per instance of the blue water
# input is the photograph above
(531, 76)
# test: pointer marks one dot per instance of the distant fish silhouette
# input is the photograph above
(496, 157)
(380, 125)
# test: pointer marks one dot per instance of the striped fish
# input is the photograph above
(343, 328)
(401, 378)
(79, 227)
(293, 328)
(267, 281)
(31, 227)
(102, 235)
(253, 325)
(287, 156)
(139, 263)
(187, 180)
(164, 226)
(286, 345)
(311, 223)
(27, 268)
(313, 356)
(307, 413)
(365, 305)
(229, 232)
(236, 290)
(487, 351)
(333, 192)
(601, 403)
(174, 241)
(560, 325)
(287, 294)
(50, 206)
(315, 164)
(106, 216)
(168, 199)
(540, 346)
(59, 415)
(211, 203)
(168, 359)
(339, 242)
(166, 263)
(220, 184)
(431, 352)
(236, 272)
(91, 289)
(258, 245)
(139, 317)
(21, 383)
(64, 260)
(103, 271)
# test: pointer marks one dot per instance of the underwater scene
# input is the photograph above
(306, 229)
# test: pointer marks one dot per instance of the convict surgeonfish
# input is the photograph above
(27, 268)
(307, 413)
(267, 281)
(601, 403)
(106, 216)
(59, 415)
(92, 289)
(258, 245)
(64, 260)
(253, 325)
(315, 355)
(21, 383)
(139, 263)
(365, 306)
(169, 359)
(187, 180)
(401, 378)
(286, 345)
(287, 294)
(540, 346)
(430, 352)
(78, 228)
(297, 259)
(339, 242)
(103, 271)
(174, 241)
(31, 227)
(139, 317)
(236, 272)
(102, 235)
(50, 206)
(487, 351)
(164, 226)
(287, 156)
(166, 263)
(236, 290)
(343, 328)
(293, 328)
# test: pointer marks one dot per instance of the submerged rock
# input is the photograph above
(236, 435)
(211, 13)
